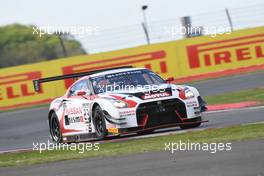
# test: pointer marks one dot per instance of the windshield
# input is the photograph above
(128, 79)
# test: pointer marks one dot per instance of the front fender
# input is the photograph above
(107, 106)
(194, 90)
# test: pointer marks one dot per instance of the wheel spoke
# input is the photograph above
(99, 123)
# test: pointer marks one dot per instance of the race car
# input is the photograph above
(119, 101)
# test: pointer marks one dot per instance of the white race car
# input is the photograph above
(119, 101)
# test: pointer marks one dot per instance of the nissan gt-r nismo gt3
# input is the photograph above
(119, 101)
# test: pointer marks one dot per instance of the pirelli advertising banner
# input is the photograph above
(178, 59)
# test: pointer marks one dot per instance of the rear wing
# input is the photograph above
(36, 83)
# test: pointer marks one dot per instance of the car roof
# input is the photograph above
(111, 71)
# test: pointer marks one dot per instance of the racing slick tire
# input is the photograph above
(195, 122)
(99, 123)
(55, 131)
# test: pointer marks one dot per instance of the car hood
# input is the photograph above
(147, 92)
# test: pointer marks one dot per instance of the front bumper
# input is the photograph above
(161, 112)
(157, 114)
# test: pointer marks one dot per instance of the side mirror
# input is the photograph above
(169, 80)
(81, 93)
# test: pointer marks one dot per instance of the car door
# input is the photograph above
(77, 108)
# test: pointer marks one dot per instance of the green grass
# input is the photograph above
(228, 134)
(256, 94)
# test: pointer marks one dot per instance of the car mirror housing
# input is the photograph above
(81, 93)
(170, 79)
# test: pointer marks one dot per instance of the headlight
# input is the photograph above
(189, 94)
(119, 104)
(185, 94)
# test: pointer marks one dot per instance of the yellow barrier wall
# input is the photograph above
(178, 59)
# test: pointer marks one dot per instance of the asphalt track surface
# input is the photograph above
(245, 159)
(19, 129)
(230, 84)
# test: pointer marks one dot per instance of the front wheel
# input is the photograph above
(99, 123)
(55, 131)
(193, 123)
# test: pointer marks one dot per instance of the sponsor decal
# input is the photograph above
(191, 104)
(127, 113)
(87, 117)
(113, 75)
(113, 130)
(85, 105)
(86, 112)
(73, 119)
(156, 95)
(74, 111)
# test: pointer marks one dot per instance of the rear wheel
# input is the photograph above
(54, 125)
(193, 123)
(99, 123)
